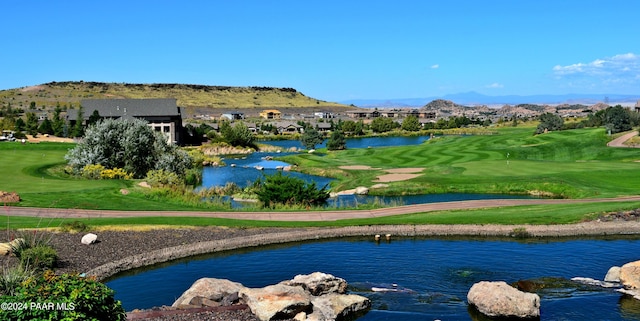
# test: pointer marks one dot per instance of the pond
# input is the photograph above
(360, 142)
(438, 273)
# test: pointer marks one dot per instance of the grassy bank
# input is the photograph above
(568, 164)
(571, 164)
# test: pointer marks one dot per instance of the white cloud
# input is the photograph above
(436, 66)
(495, 85)
(618, 73)
(617, 65)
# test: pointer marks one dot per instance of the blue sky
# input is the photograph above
(330, 50)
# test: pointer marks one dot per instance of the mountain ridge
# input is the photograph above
(474, 98)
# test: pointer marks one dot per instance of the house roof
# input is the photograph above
(126, 108)
(275, 111)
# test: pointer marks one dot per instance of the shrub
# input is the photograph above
(75, 226)
(161, 177)
(128, 144)
(115, 173)
(75, 298)
(92, 171)
(12, 277)
(40, 257)
(282, 189)
(193, 177)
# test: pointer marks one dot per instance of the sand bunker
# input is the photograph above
(404, 170)
(357, 167)
(395, 177)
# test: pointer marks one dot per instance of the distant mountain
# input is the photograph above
(474, 98)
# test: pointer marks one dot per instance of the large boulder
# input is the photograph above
(275, 302)
(361, 190)
(205, 290)
(319, 283)
(498, 299)
(89, 238)
(7, 248)
(630, 275)
(334, 306)
(613, 275)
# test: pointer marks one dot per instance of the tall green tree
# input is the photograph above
(411, 123)
(549, 122)
(57, 122)
(78, 128)
(383, 124)
(45, 127)
(311, 137)
(336, 141)
(237, 135)
(94, 117)
(32, 124)
(617, 119)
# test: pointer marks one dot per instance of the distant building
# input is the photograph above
(233, 116)
(637, 108)
(271, 114)
(324, 114)
(162, 114)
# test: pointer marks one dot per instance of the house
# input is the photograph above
(285, 127)
(324, 115)
(162, 114)
(323, 127)
(357, 114)
(232, 116)
(271, 114)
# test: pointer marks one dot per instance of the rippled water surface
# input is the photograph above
(436, 274)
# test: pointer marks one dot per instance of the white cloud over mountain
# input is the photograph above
(619, 65)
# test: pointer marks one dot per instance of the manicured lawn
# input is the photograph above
(571, 164)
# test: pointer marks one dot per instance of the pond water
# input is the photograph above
(436, 272)
(241, 169)
(362, 142)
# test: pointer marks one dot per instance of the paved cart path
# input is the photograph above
(305, 215)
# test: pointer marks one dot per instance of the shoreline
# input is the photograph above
(585, 229)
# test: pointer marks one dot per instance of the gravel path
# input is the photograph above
(129, 249)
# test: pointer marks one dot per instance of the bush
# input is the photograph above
(161, 177)
(127, 144)
(12, 277)
(92, 171)
(115, 173)
(40, 257)
(287, 190)
(74, 297)
(75, 226)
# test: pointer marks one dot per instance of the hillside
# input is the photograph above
(191, 96)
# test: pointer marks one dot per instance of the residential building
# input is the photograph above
(162, 114)
(271, 114)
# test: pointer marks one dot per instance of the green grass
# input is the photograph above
(570, 164)
(516, 215)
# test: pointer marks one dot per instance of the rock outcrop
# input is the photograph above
(317, 296)
(209, 292)
(498, 299)
(276, 301)
(613, 275)
(319, 283)
(630, 275)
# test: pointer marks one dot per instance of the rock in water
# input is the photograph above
(498, 299)
(630, 275)
(319, 283)
(218, 290)
(276, 301)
